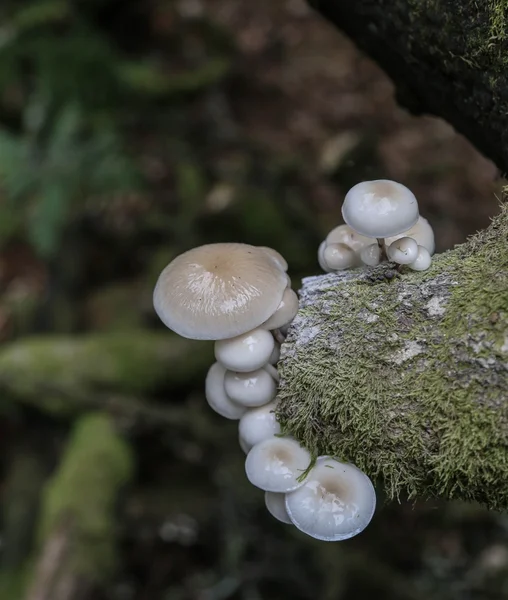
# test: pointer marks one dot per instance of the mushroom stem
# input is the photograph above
(273, 372)
(278, 336)
(381, 242)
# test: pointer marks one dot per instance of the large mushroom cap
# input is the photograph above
(219, 291)
(380, 208)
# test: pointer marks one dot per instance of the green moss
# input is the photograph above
(423, 425)
(132, 362)
(80, 498)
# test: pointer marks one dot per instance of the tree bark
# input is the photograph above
(446, 58)
(408, 377)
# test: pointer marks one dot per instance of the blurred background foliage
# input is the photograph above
(130, 131)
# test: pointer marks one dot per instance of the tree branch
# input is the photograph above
(446, 58)
(408, 378)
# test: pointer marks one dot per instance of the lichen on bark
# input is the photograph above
(408, 379)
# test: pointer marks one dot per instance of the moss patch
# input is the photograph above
(406, 379)
(81, 496)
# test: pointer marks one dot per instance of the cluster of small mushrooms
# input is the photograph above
(240, 296)
(382, 222)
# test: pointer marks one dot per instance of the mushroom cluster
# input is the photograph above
(382, 222)
(240, 296)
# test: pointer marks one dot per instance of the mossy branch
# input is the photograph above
(64, 375)
(446, 58)
(77, 524)
(408, 378)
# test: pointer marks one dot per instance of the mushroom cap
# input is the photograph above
(285, 313)
(276, 505)
(321, 259)
(250, 389)
(216, 396)
(339, 257)
(219, 291)
(421, 232)
(258, 424)
(343, 234)
(275, 464)
(403, 250)
(275, 256)
(422, 261)
(246, 352)
(380, 208)
(336, 501)
(371, 255)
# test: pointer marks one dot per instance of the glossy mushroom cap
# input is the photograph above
(219, 291)
(380, 208)
(336, 502)
(275, 464)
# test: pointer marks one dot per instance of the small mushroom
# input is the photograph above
(422, 233)
(276, 505)
(403, 251)
(255, 388)
(339, 257)
(219, 291)
(275, 464)
(246, 352)
(258, 424)
(276, 257)
(371, 255)
(423, 260)
(285, 312)
(343, 234)
(216, 396)
(380, 208)
(336, 501)
(321, 257)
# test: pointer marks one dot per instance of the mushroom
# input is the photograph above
(219, 291)
(285, 312)
(275, 464)
(275, 355)
(422, 261)
(321, 257)
(338, 257)
(380, 209)
(343, 234)
(255, 388)
(336, 501)
(276, 257)
(422, 233)
(276, 505)
(371, 255)
(216, 396)
(403, 251)
(258, 424)
(246, 352)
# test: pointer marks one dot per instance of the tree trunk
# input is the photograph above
(446, 57)
(408, 378)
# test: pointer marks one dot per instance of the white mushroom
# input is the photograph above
(219, 291)
(343, 234)
(339, 257)
(276, 505)
(258, 424)
(422, 261)
(321, 259)
(276, 257)
(403, 251)
(246, 352)
(380, 208)
(371, 255)
(255, 388)
(216, 395)
(336, 502)
(275, 464)
(285, 312)
(422, 233)
(275, 355)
